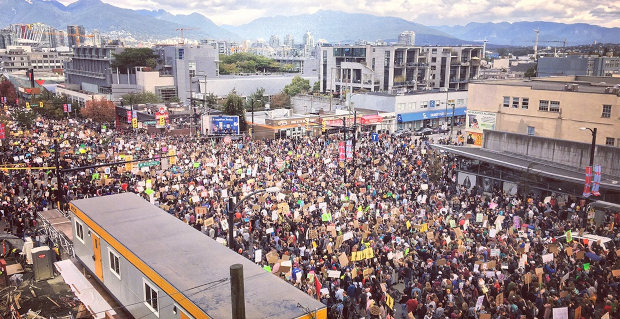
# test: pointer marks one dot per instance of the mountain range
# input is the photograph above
(333, 26)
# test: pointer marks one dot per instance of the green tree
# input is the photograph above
(234, 106)
(298, 85)
(257, 97)
(316, 88)
(211, 100)
(530, 73)
(25, 118)
(132, 57)
(140, 98)
(174, 99)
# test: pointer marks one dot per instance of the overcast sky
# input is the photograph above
(439, 12)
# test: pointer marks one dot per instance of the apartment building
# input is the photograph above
(397, 69)
(21, 58)
(553, 107)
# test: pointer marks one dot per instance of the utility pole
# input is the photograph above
(58, 178)
(237, 291)
(252, 116)
(344, 164)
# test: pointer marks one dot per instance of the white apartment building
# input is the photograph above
(397, 69)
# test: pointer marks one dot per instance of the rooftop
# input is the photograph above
(587, 84)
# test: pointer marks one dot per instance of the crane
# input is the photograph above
(556, 41)
(183, 29)
(536, 45)
(484, 47)
(76, 35)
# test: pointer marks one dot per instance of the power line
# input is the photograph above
(214, 283)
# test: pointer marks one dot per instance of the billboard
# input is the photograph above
(480, 120)
(224, 125)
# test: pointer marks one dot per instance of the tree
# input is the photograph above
(211, 100)
(234, 106)
(141, 98)
(132, 57)
(530, 73)
(100, 111)
(8, 90)
(298, 85)
(257, 97)
(25, 118)
(280, 101)
(317, 87)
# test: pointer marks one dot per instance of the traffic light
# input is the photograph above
(323, 126)
(41, 104)
(307, 124)
(162, 121)
(27, 106)
(134, 122)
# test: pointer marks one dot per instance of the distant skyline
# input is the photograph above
(605, 13)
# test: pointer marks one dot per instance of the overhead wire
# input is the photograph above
(213, 283)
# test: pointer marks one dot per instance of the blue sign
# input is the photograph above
(375, 137)
(222, 125)
(432, 103)
(434, 114)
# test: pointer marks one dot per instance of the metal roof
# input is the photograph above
(186, 258)
(514, 161)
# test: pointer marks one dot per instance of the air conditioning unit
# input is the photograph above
(575, 87)
(612, 90)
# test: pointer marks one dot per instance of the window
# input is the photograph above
(460, 102)
(412, 105)
(434, 51)
(515, 102)
(606, 111)
(525, 102)
(506, 101)
(543, 105)
(609, 141)
(79, 231)
(423, 104)
(531, 130)
(554, 106)
(433, 59)
(115, 265)
(400, 106)
(150, 298)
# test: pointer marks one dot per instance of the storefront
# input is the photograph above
(432, 118)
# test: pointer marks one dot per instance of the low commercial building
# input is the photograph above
(547, 107)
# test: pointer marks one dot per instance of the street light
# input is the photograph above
(593, 130)
(231, 213)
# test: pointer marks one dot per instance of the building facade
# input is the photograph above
(579, 65)
(190, 64)
(37, 35)
(21, 58)
(406, 38)
(397, 69)
(548, 107)
(76, 35)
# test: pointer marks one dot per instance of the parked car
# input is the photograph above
(423, 131)
(401, 132)
(440, 130)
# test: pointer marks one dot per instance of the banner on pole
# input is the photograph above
(588, 182)
(597, 180)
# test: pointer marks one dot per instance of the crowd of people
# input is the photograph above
(386, 233)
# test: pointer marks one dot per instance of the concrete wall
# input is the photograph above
(563, 152)
(149, 80)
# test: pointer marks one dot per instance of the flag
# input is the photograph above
(588, 182)
(569, 236)
(597, 180)
(318, 286)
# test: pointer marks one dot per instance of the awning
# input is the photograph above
(371, 119)
(84, 290)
